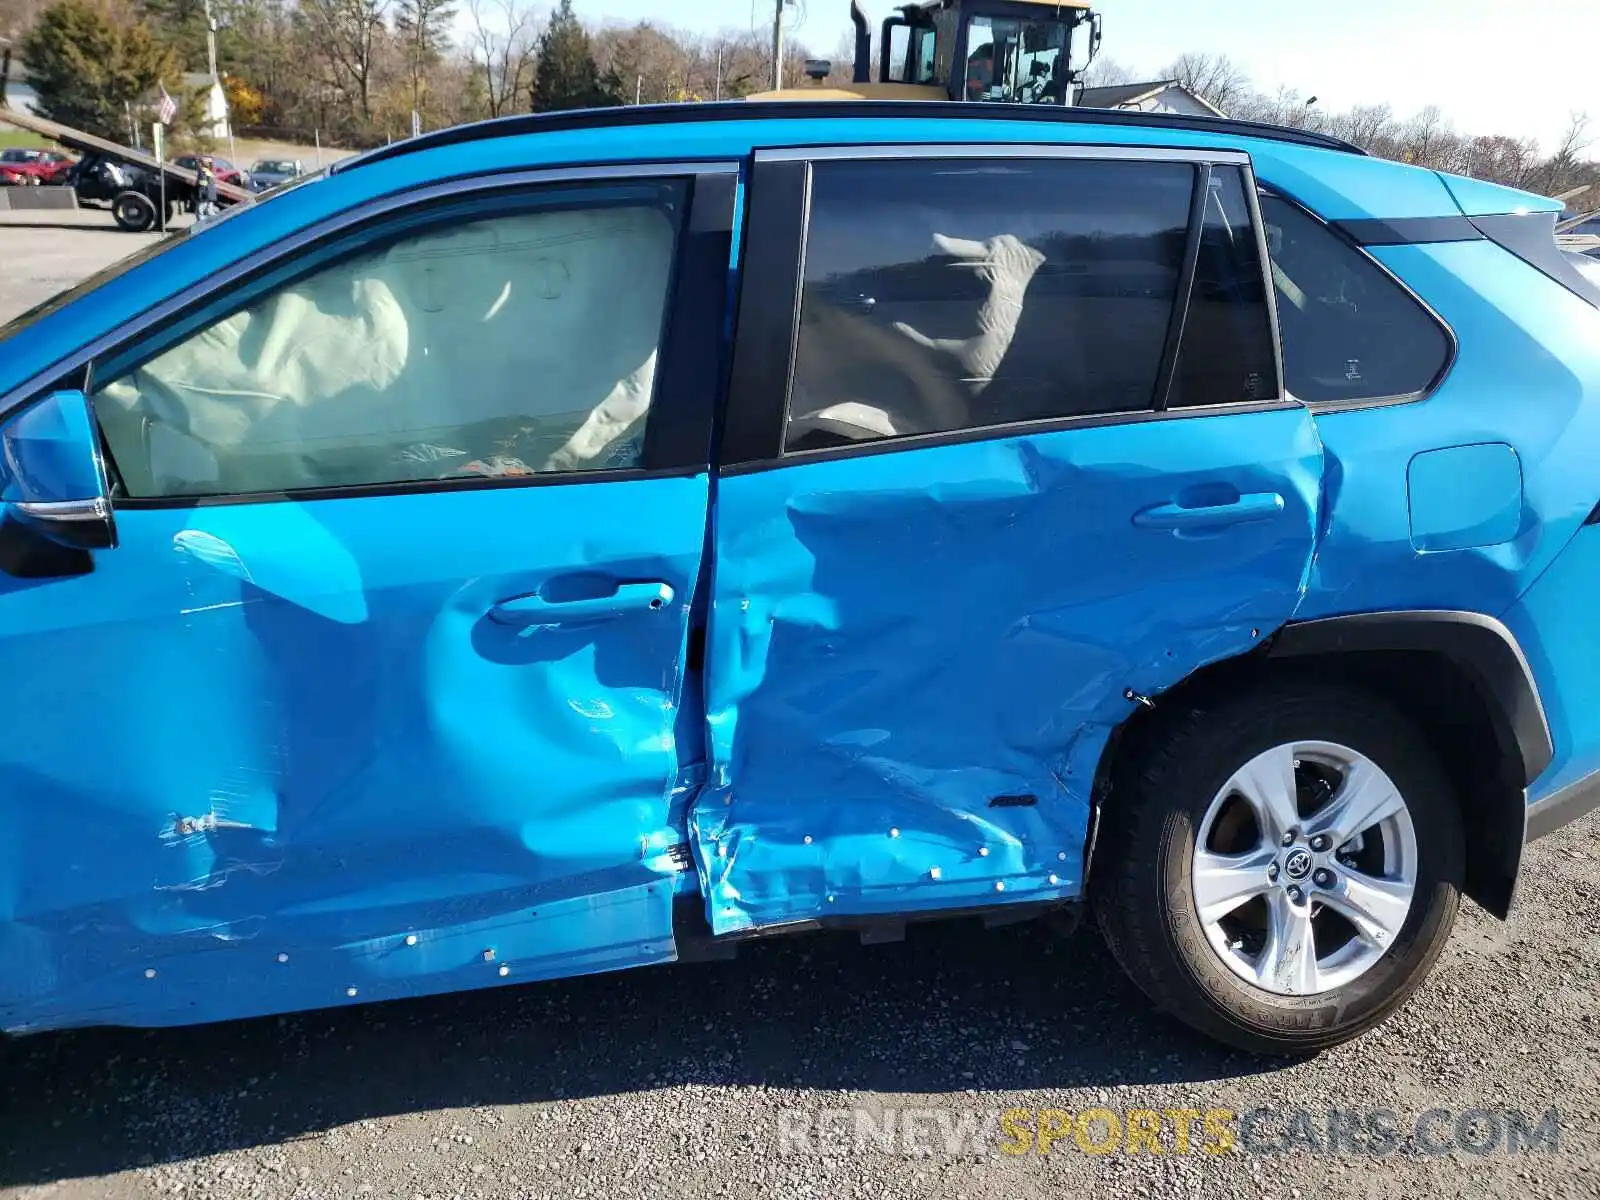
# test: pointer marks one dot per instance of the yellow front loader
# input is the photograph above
(994, 51)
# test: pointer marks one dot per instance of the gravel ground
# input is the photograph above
(43, 252)
(682, 1080)
(686, 1080)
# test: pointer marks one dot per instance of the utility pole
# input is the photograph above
(777, 45)
(211, 43)
(216, 79)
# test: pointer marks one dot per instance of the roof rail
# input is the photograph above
(790, 110)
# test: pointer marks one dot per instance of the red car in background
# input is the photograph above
(20, 167)
(225, 171)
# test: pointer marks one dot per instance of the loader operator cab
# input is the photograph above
(998, 51)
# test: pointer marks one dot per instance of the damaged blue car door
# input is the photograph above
(1007, 448)
(378, 691)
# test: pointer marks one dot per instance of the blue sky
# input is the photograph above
(1492, 66)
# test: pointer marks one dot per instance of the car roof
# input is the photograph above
(655, 116)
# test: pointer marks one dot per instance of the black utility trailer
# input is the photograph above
(128, 180)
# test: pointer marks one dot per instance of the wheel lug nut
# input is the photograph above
(1323, 878)
(1288, 838)
(1296, 895)
(1272, 872)
(1321, 842)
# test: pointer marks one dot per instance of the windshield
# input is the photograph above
(143, 255)
(273, 166)
(1018, 60)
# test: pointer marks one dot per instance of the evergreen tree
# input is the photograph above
(88, 66)
(180, 24)
(423, 29)
(567, 76)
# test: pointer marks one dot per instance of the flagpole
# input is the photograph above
(155, 136)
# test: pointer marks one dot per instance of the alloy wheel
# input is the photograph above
(1305, 868)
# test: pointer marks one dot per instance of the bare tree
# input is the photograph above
(1287, 106)
(1511, 161)
(1370, 126)
(347, 32)
(1566, 168)
(1108, 72)
(1215, 77)
(504, 33)
(1427, 140)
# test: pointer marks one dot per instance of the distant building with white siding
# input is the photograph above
(1159, 95)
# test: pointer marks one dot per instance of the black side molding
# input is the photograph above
(1484, 648)
(1409, 231)
(1577, 799)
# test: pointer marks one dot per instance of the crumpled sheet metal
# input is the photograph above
(915, 660)
(276, 789)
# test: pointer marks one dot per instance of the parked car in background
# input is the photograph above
(1188, 521)
(225, 171)
(21, 166)
(268, 173)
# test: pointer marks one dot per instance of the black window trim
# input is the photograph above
(690, 352)
(1178, 322)
(768, 316)
(1340, 230)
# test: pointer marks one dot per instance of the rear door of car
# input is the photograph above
(1007, 452)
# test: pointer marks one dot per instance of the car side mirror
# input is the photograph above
(54, 476)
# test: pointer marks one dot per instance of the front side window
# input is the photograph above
(1350, 332)
(481, 345)
(943, 295)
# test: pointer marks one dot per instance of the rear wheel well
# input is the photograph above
(1445, 700)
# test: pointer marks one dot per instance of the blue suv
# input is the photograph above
(581, 542)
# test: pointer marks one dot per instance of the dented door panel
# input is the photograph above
(280, 756)
(916, 657)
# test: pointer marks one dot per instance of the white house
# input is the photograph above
(214, 123)
(1161, 95)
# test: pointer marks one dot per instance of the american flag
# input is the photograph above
(168, 109)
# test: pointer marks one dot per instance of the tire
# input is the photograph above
(1143, 885)
(133, 212)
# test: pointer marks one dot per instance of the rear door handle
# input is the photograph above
(534, 610)
(1255, 506)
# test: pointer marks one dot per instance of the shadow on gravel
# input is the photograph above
(951, 1008)
(85, 219)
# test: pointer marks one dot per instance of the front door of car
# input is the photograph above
(1006, 455)
(378, 693)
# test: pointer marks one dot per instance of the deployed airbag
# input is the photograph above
(512, 345)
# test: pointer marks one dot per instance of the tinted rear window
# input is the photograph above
(952, 294)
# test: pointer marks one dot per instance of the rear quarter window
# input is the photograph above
(1351, 332)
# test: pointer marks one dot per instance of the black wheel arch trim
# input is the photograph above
(1479, 644)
